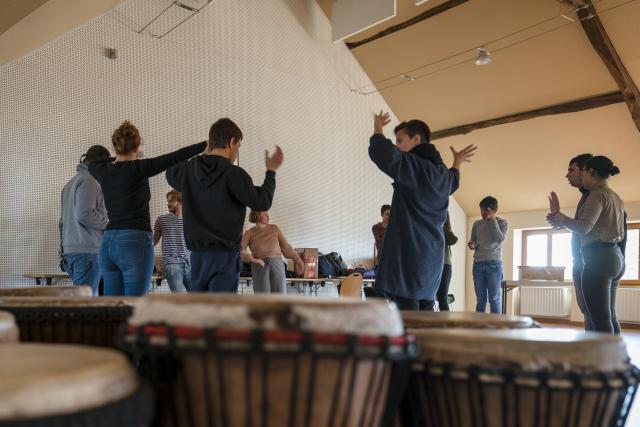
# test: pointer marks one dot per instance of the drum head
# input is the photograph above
(270, 312)
(59, 301)
(46, 380)
(535, 349)
(463, 319)
(47, 291)
(8, 328)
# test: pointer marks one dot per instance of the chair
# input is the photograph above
(351, 286)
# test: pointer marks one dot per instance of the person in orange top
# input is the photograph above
(267, 246)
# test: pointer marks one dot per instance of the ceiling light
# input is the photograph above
(484, 57)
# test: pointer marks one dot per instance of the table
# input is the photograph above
(298, 283)
(507, 286)
(313, 284)
(49, 277)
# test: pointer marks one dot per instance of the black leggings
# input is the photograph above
(443, 289)
(603, 268)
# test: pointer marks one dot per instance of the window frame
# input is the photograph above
(549, 232)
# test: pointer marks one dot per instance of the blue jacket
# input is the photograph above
(413, 249)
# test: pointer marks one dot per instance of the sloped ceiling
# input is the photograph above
(543, 65)
(26, 25)
(14, 10)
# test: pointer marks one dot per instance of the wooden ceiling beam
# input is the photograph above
(566, 107)
(602, 44)
(401, 26)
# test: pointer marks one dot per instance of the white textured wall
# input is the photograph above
(267, 64)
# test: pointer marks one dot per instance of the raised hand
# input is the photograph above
(554, 203)
(274, 161)
(380, 120)
(463, 156)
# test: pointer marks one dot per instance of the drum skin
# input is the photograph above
(47, 291)
(8, 330)
(70, 386)
(279, 361)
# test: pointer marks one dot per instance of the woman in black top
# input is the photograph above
(126, 251)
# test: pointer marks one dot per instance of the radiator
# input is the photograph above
(628, 305)
(545, 301)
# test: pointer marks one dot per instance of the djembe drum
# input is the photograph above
(47, 291)
(70, 320)
(70, 386)
(462, 319)
(525, 377)
(8, 329)
(230, 360)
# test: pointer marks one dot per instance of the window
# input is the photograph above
(543, 248)
(549, 247)
(632, 256)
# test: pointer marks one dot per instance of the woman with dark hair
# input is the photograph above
(600, 224)
(267, 246)
(450, 239)
(126, 252)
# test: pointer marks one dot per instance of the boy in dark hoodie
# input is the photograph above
(215, 195)
(412, 254)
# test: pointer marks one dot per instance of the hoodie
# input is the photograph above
(413, 249)
(215, 197)
(83, 214)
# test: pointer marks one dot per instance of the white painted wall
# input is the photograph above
(459, 225)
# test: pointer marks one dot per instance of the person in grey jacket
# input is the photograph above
(83, 219)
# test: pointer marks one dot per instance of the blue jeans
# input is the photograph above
(215, 271)
(126, 261)
(84, 269)
(487, 276)
(178, 277)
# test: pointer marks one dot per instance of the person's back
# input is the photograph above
(83, 213)
(413, 249)
(126, 250)
(216, 194)
(83, 218)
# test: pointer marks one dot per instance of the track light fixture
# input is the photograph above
(484, 56)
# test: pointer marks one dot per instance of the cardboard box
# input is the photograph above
(310, 259)
(541, 273)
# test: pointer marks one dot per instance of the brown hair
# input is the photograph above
(222, 131)
(175, 194)
(254, 216)
(126, 138)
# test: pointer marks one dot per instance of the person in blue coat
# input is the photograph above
(412, 254)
